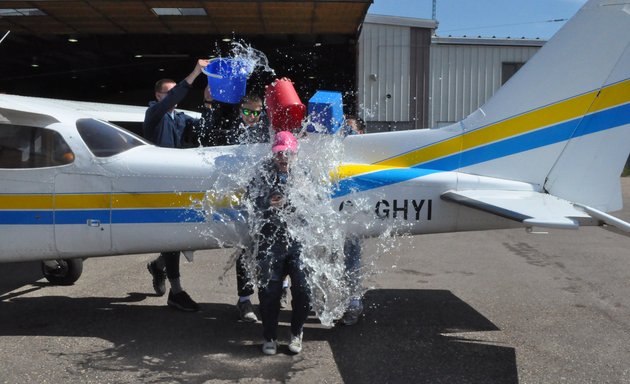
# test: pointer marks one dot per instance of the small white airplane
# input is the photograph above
(546, 151)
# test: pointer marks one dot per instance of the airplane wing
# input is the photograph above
(530, 208)
(104, 111)
(114, 112)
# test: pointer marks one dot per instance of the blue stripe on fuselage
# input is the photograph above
(23, 217)
(378, 179)
(596, 122)
(119, 216)
(131, 216)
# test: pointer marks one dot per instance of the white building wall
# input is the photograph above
(383, 72)
(466, 72)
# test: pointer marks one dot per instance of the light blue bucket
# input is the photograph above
(325, 108)
(227, 79)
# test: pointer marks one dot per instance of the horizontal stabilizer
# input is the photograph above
(607, 219)
(530, 208)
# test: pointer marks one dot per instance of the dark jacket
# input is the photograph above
(240, 133)
(162, 129)
(221, 125)
(269, 222)
(204, 130)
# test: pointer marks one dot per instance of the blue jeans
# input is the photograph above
(352, 253)
(275, 263)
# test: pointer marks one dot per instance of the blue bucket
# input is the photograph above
(227, 79)
(325, 108)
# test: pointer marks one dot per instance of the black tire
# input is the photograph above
(66, 273)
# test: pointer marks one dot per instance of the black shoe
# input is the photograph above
(182, 301)
(246, 311)
(159, 279)
(353, 313)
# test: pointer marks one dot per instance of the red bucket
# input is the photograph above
(284, 107)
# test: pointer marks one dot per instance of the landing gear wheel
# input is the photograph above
(62, 272)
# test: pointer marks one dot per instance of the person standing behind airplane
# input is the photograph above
(225, 124)
(202, 132)
(352, 248)
(247, 126)
(165, 127)
(250, 127)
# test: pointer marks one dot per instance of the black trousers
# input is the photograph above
(244, 281)
(169, 261)
(275, 264)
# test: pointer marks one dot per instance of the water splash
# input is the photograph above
(323, 236)
(319, 225)
(322, 228)
(231, 168)
(251, 57)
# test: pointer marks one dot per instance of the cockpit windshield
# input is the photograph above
(105, 139)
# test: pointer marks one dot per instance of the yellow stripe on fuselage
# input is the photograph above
(156, 200)
(82, 201)
(116, 200)
(349, 170)
(610, 96)
(172, 200)
(16, 201)
(526, 122)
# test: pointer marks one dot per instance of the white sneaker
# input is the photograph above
(295, 345)
(270, 347)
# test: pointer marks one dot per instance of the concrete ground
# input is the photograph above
(486, 307)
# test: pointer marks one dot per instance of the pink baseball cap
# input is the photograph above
(284, 141)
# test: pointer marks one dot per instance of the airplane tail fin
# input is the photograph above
(562, 122)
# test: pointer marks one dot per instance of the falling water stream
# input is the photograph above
(317, 222)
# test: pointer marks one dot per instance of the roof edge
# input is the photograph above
(488, 41)
(400, 21)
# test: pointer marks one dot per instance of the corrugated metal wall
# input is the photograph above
(463, 77)
(407, 80)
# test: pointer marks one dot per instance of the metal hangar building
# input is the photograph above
(114, 51)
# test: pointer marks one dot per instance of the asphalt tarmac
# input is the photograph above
(478, 307)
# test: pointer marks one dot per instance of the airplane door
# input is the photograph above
(82, 214)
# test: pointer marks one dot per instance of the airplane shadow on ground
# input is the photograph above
(402, 338)
(15, 275)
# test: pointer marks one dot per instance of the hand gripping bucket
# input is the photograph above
(227, 79)
(284, 107)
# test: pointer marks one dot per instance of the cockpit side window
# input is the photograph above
(104, 139)
(32, 147)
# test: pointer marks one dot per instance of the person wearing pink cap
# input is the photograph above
(277, 253)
